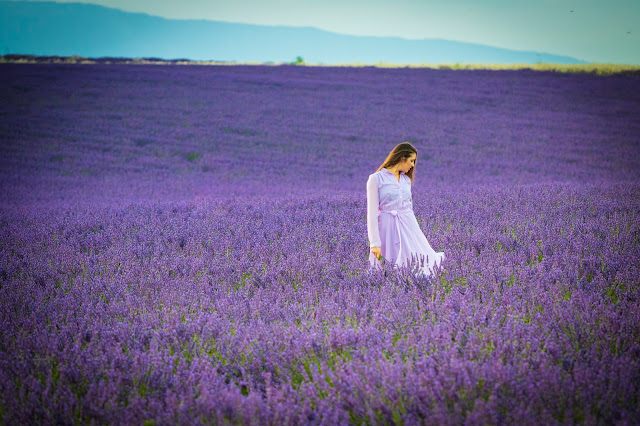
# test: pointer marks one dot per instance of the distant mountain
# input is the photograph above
(66, 29)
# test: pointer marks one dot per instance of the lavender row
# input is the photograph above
(264, 311)
(178, 133)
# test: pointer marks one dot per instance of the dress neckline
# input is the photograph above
(394, 176)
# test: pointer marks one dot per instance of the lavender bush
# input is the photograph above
(188, 245)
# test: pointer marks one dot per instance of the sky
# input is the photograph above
(605, 31)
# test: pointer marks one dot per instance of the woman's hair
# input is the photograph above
(398, 154)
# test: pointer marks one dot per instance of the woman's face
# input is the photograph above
(407, 164)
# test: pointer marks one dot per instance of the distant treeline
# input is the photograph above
(600, 69)
(105, 60)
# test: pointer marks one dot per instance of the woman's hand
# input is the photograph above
(376, 252)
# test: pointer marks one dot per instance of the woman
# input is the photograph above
(394, 233)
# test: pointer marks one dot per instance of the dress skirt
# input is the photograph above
(403, 242)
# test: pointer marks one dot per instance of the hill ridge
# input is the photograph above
(87, 30)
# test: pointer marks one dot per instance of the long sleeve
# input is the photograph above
(372, 212)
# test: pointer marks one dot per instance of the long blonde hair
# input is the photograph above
(398, 154)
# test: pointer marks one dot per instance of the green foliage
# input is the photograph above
(193, 156)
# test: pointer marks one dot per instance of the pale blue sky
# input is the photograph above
(591, 30)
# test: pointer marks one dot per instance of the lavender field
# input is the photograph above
(188, 244)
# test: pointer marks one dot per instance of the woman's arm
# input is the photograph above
(372, 212)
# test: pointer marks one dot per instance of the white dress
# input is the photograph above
(393, 227)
